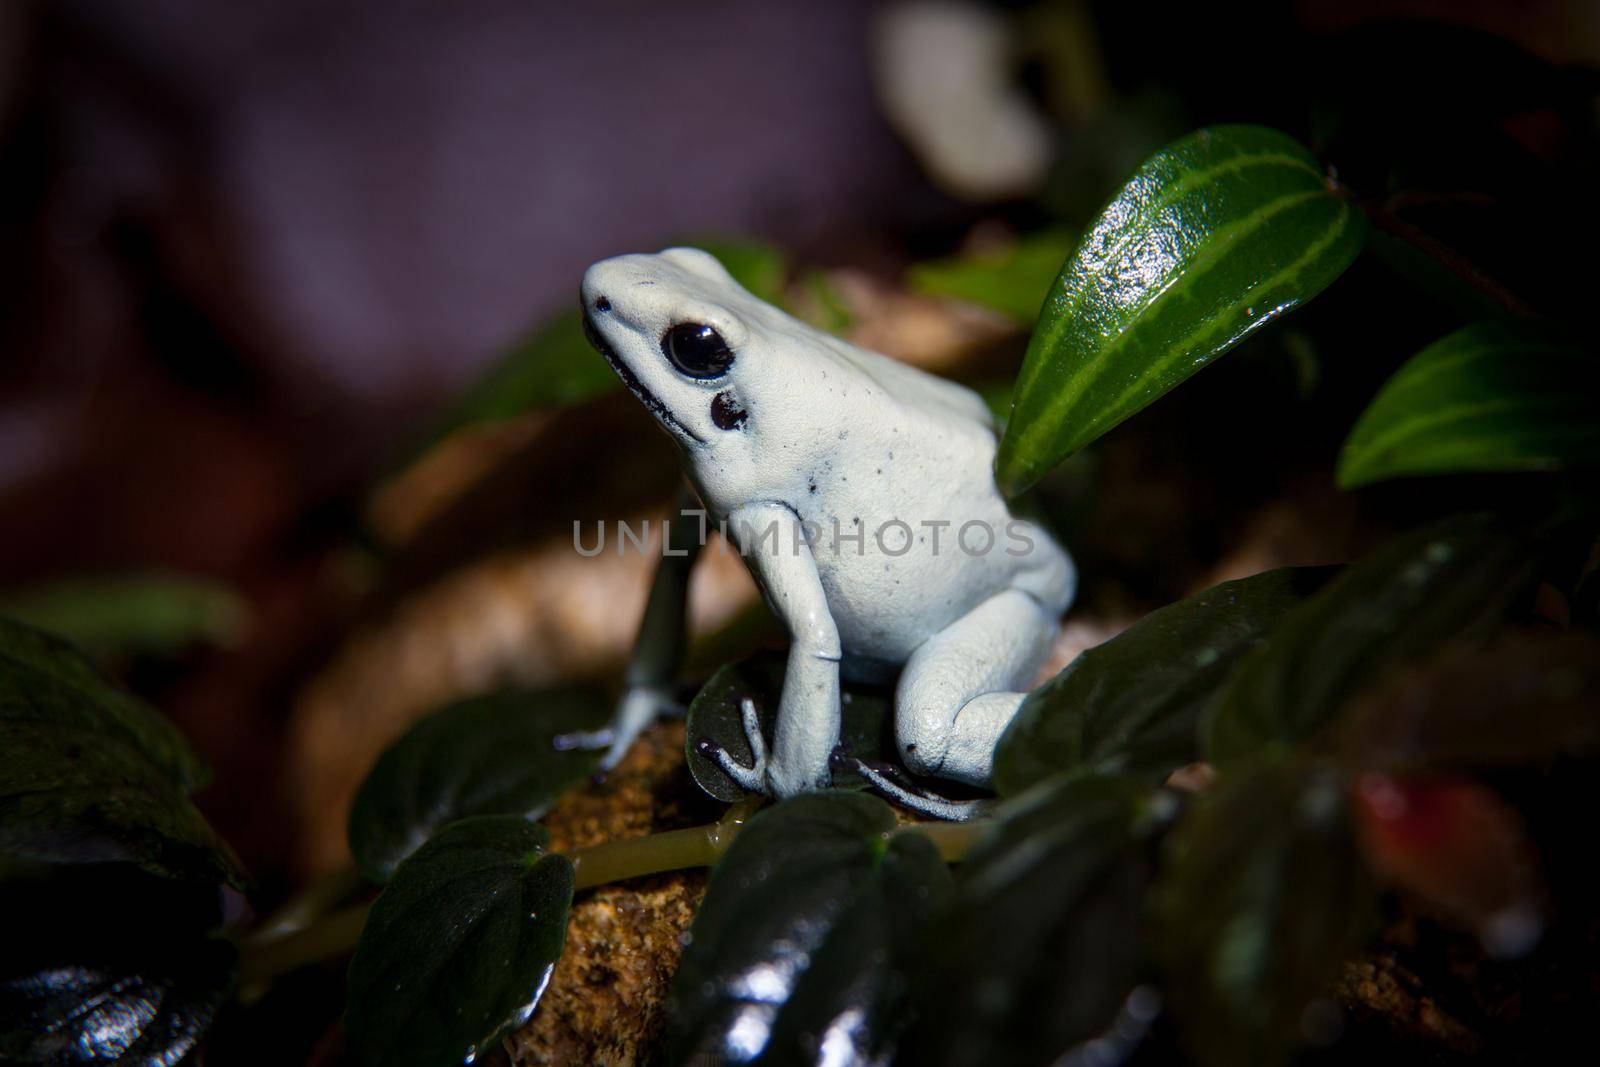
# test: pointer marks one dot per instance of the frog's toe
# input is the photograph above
(752, 779)
(919, 800)
(752, 731)
(584, 740)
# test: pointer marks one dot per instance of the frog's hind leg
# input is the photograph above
(961, 689)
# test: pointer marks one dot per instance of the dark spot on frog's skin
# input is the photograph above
(726, 412)
(601, 304)
(812, 486)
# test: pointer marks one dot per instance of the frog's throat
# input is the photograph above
(632, 383)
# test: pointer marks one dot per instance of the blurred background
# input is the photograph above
(292, 429)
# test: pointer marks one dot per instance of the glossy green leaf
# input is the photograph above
(1012, 280)
(44, 678)
(132, 613)
(148, 1013)
(800, 952)
(1042, 947)
(555, 366)
(1454, 580)
(498, 754)
(715, 716)
(1501, 396)
(100, 966)
(1132, 704)
(1212, 238)
(1261, 899)
(460, 944)
(90, 775)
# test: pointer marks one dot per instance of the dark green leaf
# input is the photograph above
(1262, 897)
(1499, 396)
(1454, 580)
(1012, 280)
(101, 966)
(1042, 947)
(715, 716)
(71, 793)
(803, 938)
(490, 755)
(44, 678)
(90, 775)
(133, 613)
(1132, 704)
(1212, 238)
(459, 945)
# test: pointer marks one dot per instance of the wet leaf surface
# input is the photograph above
(1212, 238)
(1042, 946)
(800, 953)
(105, 966)
(459, 946)
(1500, 396)
(714, 715)
(496, 754)
(1132, 704)
(1451, 581)
(1262, 897)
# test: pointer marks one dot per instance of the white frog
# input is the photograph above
(860, 493)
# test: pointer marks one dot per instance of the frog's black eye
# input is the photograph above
(697, 350)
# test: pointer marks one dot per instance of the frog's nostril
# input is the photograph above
(602, 304)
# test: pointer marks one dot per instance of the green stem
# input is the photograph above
(331, 935)
(674, 850)
(307, 906)
(610, 861)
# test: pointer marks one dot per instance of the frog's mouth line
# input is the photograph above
(631, 381)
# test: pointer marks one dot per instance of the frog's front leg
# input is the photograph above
(771, 539)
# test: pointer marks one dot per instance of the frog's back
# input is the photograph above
(912, 531)
(915, 388)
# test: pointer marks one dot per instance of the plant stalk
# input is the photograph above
(610, 861)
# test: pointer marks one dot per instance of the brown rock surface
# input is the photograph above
(607, 998)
